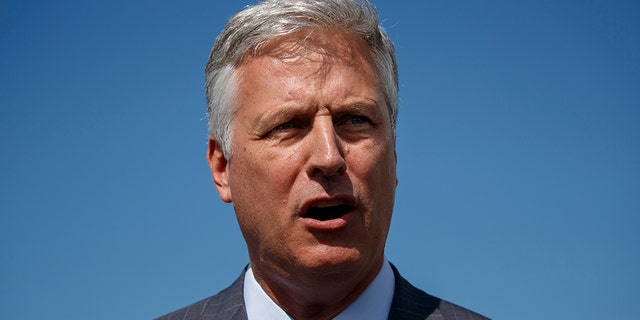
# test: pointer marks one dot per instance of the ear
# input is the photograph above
(219, 166)
(395, 156)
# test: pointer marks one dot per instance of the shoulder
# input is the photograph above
(411, 303)
(228, 304)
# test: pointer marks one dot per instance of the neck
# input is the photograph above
(308, 296)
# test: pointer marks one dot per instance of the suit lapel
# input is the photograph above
(411, 303)
(229, 303)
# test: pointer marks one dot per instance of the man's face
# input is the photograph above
(312, 176)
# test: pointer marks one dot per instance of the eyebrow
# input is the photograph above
(282, 113)
(370, 109)
(276, 115)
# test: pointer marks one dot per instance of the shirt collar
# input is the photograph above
(374, 303)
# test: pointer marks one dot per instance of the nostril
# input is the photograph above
(330, 169)
(327, 162)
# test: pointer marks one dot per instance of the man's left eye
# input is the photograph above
(358, 120)
(285, 126)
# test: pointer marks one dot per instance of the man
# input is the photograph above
(302, 98)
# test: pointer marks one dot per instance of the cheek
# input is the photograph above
(254, 167)
(375, 162)
(374, 169)
(260, 182)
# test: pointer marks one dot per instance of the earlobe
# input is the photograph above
(219, 169)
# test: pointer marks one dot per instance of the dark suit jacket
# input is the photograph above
(409, 303)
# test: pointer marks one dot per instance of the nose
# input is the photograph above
(326, 153)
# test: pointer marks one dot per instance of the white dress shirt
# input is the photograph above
(374, 303)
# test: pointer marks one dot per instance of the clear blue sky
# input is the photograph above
(518, 146)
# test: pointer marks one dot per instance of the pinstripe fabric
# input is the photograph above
(226, 305)
(409, 303)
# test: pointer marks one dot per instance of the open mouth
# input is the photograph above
(327, 213)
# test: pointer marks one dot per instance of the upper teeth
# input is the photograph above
(327, 203)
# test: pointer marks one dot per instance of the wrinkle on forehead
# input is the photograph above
(317, 48)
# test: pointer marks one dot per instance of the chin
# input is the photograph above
(330, 259)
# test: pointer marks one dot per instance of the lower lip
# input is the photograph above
(328, 225)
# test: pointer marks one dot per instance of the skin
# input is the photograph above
(311, 129)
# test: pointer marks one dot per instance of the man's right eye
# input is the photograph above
(284, 129)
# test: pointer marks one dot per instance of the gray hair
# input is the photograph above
(256, 25)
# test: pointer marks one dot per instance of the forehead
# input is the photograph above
(315, 46)
(315, 53)
(318, 65)
(331, 43)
